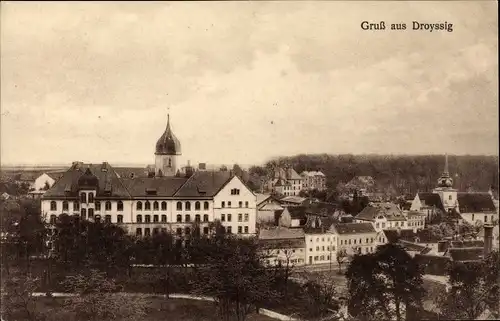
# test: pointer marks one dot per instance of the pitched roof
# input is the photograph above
(475, 202)
(431, 200)
(321, 209)
(262, 197)
(293, 199)
(280, 233)
(466, 254)
(318, 224)
(109, 185)
(410, 246)
(433, 264)
(132, 172)
(354, 228)
(312, 173)
(204, 184)
(297, 212)
(153, 186)
(388, 210)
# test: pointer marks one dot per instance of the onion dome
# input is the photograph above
(445, 180)
(88, 180)
(168, 144)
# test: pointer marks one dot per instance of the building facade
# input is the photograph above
(165, 201)
(313, 180)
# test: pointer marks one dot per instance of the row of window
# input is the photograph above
(83, 197)
(179, 206)
(186, 231)
(235, 191)
(97, 218)
(417, 223)
(241, 218)
(282, 261)
(187, 218)
(284, 251)
(76, 206)
(322, 239)
(323, 248)
(345, 242)
(240, 204)
(396, 224)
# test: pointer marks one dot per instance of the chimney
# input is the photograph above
(488, 239)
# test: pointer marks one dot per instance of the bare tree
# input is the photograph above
(17, 300)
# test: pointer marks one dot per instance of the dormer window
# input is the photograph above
(235, 191)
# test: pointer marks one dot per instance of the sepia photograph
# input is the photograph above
(249, 160)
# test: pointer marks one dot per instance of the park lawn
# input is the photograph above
(161, 309)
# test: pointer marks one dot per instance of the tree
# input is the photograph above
(474, 288)
(384, 285)
(341, 257)
(46, 187)
(321, 297)
(17, 301)
(98, 299)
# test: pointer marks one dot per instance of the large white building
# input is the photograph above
(313, 180)
(163, 201)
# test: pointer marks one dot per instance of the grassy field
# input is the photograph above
(157, 309)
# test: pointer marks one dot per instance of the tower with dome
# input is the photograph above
(445, 189)
(168, 150)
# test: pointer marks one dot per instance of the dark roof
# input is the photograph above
(321, 209)
(431, 200)
(421, 236)
(109, 185)
(131, 172)
(297, 212)
(281, 243)
(410, 246)
(475, 202)
(153, 186)
(467, 244)
(168, 144)
(204, 184)
(388, 210)
(433, 264)
(317, 224)
(466, 254)
(353, 228)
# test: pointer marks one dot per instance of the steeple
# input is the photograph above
(445, 180)
(446, 172)
(168, 149)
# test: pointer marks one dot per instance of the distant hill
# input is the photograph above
(403, 174)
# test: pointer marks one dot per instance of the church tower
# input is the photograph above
(168, 148)
(445, 188)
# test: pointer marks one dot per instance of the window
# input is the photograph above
(350, 242)
(197, 218)
(246, 204)
(223, 217)
(119, 206)
(205, 230)
(164, 218)
(107, 218)
(147, 232)
(229, 204)
(179, 218)
(65, 206)
(377, 225)
(139, 206)
(97, 219)
(235, 191)
(107, 206)
(197, 206)
(91, 212)
(223, 204)
(449, 197)
(229, 230)
(485, 218)
(205, 205)
(240, 230)
(473, 217)
(119, 218)
(323, 248)
(139, 218)
(240, 217)
(246, 217)
(91, 197)
(83, 214)
(205, 218)
(179, 206)
(156, 218)
(188, 218)
(187, 231)
(83, 198)
(188, 206)
(147, 206)
(156, 231)
(246, 229)
(229, 217)
(396, 224)
(156, 206)
(53, 206)
(317, 248)
(240, 204)
(53, 219)
(97, 206)
(179, 231)
(163, 206)
(138, 231)
(147, 218)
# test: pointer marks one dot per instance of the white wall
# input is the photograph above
(321, 248)
(41, 180)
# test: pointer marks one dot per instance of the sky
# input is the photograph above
(245, 81)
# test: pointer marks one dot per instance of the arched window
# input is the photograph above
(97, 206)
(197, 218)
(139, 218)
(188, 206)
(205, 205)
(164, 218)
(188, 218)
(83, 198)
(139, 206)
(76, 206)
(53, 219)
(205, 218)
(187, 231)
(147, 206)
(179, 218)
(197, 206)
(83, 214)
(163, 206)
(53, 206)
(65, 206)
(97, 219)
(119, 206)
(107, 206)
(179, 206)
(107, 219)
(147, 218)
(91, 212)
(91, 197)
(156, 218)
(155, 206)
(119, 219)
